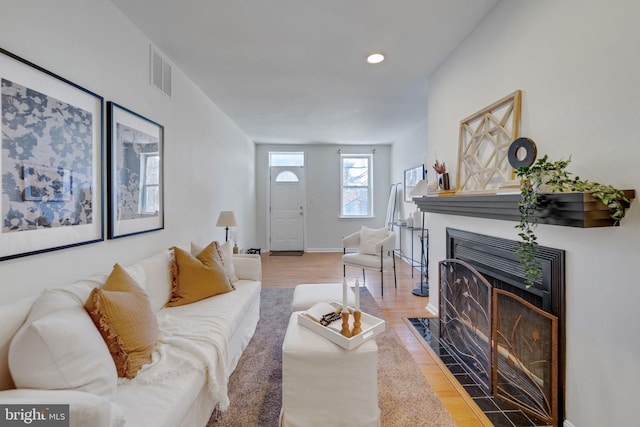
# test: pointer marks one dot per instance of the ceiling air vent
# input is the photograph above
(160, 72)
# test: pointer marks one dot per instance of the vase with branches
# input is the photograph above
(442, 175)
(439, 167)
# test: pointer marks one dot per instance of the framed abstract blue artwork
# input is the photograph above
(51, 161)
(135, 173)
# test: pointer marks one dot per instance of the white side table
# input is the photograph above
(326, 385)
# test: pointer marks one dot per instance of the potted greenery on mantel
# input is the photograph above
(544, 176)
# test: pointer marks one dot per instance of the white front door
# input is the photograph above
(287, 208)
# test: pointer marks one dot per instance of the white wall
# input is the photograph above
(577, 63)
(209, 161)
(409, 151)
(323, 227)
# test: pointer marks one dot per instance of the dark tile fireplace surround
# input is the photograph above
(508, 337)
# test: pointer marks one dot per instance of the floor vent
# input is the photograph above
(160, 72)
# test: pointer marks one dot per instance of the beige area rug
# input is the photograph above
(406, 399)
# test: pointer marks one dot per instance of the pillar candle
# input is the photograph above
(357, 305)
(344, 295)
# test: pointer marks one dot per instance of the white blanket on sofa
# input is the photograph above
(186, 344)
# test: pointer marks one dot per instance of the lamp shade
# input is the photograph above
(226, 219)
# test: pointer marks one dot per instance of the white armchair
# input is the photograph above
(375, 251)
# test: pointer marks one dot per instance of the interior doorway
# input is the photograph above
(287, 201)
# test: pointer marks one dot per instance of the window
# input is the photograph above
(286, 159)
(287, 176)
(150, 195)
(356, 194)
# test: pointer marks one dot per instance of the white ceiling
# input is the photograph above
(294, 71)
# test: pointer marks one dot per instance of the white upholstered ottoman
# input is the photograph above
(325, 385)
(307, 295)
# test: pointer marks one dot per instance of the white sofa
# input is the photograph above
(177, 387)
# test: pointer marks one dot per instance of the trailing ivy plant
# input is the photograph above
(546, 176)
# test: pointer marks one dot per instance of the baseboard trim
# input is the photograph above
(431, 308)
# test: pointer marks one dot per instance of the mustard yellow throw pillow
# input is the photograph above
(197, 277)
(122, 313)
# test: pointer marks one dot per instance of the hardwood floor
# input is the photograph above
(289, 271)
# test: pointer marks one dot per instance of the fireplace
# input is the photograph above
(508, 335)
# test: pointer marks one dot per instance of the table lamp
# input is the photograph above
(226, 219)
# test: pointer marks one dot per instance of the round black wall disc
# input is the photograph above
(516, 152)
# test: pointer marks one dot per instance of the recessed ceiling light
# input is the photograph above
(375, 58)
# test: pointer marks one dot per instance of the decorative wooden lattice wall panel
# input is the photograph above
(483, 165)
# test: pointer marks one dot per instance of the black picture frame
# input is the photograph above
(411, 178)
(53, 129)
(135, 174)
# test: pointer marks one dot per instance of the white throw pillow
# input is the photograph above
(226, 250)
(157, 270)
(369, 237)
(59, 348)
